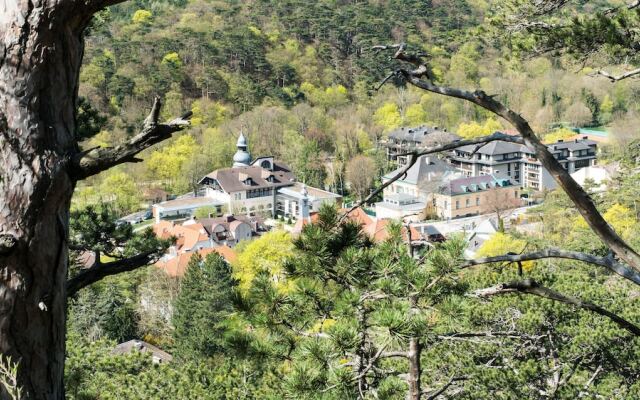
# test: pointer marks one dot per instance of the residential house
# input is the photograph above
(409, 195)
(481, 233)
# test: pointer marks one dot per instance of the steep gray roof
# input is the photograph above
(573, 145)
(231, 179)
(496, 147)
(426, 168)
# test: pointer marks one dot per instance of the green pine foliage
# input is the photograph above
(202, 307)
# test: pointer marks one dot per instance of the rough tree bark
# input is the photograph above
(42, 52)
(41, 48)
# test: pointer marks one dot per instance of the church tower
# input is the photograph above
(242, 158)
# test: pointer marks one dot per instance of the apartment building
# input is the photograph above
(520, 164)
(484, 194)
(404, 139)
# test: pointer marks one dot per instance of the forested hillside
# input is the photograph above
(300, 80)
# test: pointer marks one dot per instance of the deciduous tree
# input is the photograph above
(361, 171)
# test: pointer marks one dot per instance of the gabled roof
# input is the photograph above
(230, 179)
(427, 168)
(187, 236)
(496, 147)
(358, 216)
(229, 222)
(572, 145)
(302, 222)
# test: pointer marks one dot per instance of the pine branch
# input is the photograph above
(93, 161)
(530, 286)
(608, 262)
(100, 270)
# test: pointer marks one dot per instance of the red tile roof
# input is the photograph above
(378, 231)
(176, 266)
(187, 236)
(358, 215)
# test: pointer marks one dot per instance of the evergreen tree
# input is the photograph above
(205, 300)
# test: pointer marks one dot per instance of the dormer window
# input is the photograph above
(266, 164)
(268, 176)
(245, 179)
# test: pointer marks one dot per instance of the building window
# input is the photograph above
(467, 202)
(457, 204)
(477, 201)
(582, 163)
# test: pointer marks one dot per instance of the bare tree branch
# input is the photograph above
(607, 262)
(530, 286)
(433, 395)
(392, 354)
(616, 78)
(414, 156)
(99, 270)
(576, 193)
(488, 334)
(96, 160)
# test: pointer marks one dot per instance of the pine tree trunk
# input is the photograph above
(41, 50)
(415, 348)
(414, 369)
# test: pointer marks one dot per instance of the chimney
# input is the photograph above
(304, 204)
(576, 140)
(427, 161)
(560, 141)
